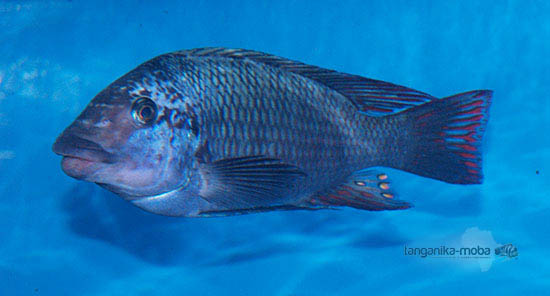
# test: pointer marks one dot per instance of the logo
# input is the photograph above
(507, 250)
(477, 252)
(473, 248)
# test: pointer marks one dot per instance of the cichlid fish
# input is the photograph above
(217, 131)
(507, 250)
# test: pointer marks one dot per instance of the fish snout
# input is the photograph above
(82, 158)
(73, 145)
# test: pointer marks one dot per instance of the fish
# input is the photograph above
(219, 131)
(507, 250)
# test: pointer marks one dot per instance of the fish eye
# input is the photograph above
(144, 111)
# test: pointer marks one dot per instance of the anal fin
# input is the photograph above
(365, 190)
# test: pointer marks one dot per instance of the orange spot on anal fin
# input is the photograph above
(366, 190)
(384, 186)
(382, 177)
(360, 183)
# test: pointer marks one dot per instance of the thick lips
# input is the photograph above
(81, 157)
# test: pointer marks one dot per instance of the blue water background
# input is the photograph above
(64, 237)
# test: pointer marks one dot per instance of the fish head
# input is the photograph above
(132, 139)
(513, 252)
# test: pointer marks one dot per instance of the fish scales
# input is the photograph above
(311, 125)
(217, 131)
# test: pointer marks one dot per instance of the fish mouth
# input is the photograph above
(81, 157)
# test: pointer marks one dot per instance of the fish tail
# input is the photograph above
(444, 138)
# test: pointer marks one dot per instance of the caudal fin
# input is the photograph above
(445, 137)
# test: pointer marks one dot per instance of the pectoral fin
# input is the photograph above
(248, 182)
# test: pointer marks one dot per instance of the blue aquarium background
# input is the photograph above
(60, 236)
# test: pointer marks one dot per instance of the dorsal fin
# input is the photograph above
(373, 97)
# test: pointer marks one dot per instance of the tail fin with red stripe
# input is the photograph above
(445, 137)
